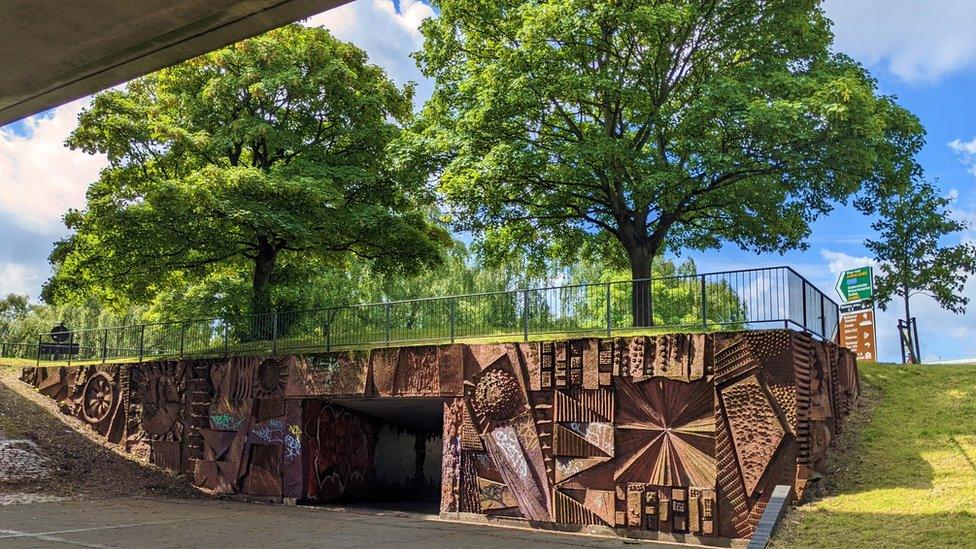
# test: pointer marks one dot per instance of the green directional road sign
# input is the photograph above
(855, 285)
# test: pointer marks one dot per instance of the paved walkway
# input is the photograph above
(21, 460)
(135, 523)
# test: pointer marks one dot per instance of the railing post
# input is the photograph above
(71, 344)
(328, 332)
(182, 338)
(274, 333)
(525, 315)
(823, 317)
(452, 313)
(142, 341)
(40, 337)
(105, 346)
(226, 338)
(609, 313)
(704, 303)
(804, 304)
(650, 298)
(388, 308)
(3, 349)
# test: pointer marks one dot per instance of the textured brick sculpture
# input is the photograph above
(678, 436)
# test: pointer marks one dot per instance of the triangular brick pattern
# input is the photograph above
(755, 428)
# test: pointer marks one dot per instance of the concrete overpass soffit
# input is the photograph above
(56, 52)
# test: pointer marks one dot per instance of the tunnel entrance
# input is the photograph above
(377, 453)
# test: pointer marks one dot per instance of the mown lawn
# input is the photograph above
(904, 474)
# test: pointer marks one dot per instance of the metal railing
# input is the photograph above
(743, 299)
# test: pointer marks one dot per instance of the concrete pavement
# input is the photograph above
(135, 523)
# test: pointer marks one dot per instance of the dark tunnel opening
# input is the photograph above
(376, 453)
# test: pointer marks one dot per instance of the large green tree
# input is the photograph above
(647, 125)
(270, 149)
(912, 255)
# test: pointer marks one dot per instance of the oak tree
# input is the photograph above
(647, 125)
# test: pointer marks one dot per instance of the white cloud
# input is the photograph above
(916, 41)
(387, 35)
(17, 278)
(838, 262)
(966, 150)
(40, 178)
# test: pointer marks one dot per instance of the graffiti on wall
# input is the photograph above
(340, 455)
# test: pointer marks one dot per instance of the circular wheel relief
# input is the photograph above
(497, 395)
(98, 398)
(272, 377)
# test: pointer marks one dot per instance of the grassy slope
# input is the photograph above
(904, 474)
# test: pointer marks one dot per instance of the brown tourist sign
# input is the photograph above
(857, 334)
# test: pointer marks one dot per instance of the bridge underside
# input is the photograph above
(55, 52)
(680, 437)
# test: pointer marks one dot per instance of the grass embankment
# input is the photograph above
(904, 471)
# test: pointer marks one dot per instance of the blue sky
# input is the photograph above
(922, 52)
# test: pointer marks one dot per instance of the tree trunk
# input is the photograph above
(264, 264)
(641, 301)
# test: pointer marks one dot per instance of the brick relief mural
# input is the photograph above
(679, 436)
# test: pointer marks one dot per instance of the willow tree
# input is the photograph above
(647, 125)
(276, 145)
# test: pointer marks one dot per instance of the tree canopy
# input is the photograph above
(637, 126)
(270, 150)
(911, 252)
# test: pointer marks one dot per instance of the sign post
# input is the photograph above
(856, 290)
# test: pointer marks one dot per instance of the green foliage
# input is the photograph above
(21, 322)
(12, 307)
(268, 153)
(676, 295)
(609, 126)
(911, 253)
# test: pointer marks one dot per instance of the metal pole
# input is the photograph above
(71, 345)
(104, 345)
(226, 328)
(704, 301)
(823, 318)
(39, 338)
(609, 313)
(388, 327)
(804, 304)
(525, 315)
(142, 341)
(452, 305)
(650, 299)
(328, 334)
(274, 334)
(182, 338)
